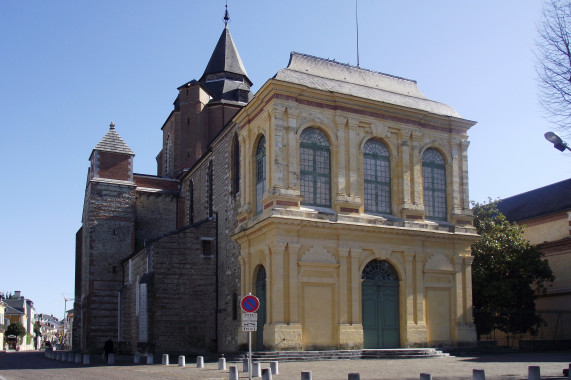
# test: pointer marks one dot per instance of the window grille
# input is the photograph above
(260, 173)
(380, 270)
(315, 168)
(235, 165)
(190, 202)
(434, 184)
(377, 177)
(210, 189)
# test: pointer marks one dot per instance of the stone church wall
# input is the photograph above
(108, 237)
(156, 215)
(225, 204)
(182, 289)
(224, 208)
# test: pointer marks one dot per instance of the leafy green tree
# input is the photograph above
(15, 328)
(508, 274)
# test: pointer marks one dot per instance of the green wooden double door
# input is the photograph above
(380, 308)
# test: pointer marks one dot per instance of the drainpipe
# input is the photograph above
(217, 286)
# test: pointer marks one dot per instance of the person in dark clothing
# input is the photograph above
(108, 348)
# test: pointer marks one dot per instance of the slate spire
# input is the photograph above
(225, 76)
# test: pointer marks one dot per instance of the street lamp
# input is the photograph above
(557, 141)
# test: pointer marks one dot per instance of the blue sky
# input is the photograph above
(69, 68)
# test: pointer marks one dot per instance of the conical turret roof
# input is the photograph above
(112, 142)
(225, 58)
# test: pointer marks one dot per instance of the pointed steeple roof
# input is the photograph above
(225, 58)
(112, 142)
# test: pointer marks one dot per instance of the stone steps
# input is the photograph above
(398, 353)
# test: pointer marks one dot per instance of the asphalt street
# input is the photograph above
(34, 365)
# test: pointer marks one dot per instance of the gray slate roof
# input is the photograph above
(546, 200)
(225, 58)
(328, 75)
(112, 142)
(12, 310)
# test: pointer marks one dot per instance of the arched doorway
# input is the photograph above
(260, 286)
(380, 305)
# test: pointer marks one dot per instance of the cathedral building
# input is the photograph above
(337, 195)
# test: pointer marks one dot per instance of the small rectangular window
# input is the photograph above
(207, 247)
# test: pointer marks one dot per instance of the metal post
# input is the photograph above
(249, 355)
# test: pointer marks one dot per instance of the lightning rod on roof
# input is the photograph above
(226, 15)
(357, 25)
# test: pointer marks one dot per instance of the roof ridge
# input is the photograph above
(350, 66)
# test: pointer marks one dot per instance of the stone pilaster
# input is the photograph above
(355, 281)
(278, 161)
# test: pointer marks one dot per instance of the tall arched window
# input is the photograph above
(315, 168)
(377, 180)
(434, 184)
(260, 173)
(235, 165)
(190, 202)
(210, 188)
(168, 155)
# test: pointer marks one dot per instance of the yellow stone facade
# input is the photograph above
(314, 257)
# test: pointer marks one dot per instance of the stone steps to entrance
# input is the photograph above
(398, 353)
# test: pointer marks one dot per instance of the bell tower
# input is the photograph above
(204, 107)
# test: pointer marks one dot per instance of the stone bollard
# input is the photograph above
(181, 361)
(266, 374)
(222, 364)
(478, 374)
(256, 370)
(245, 365)
(136, 358)
(86, 359)
(274, 368)
(200, 362)
(305, 375)
(533, 373)
(233, 373)
(63, 356)
(150, 358)
(77, 358)
(425, 376)
(354, 376)
(111, 358)
(165, 359)
(71, 357)
(58, 355)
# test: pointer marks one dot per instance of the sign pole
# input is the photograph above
(249, 355)
(249, 305)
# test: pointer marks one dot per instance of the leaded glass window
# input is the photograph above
(260, 173)
(168, 156)
(210, 189)
(315, 168)
(235, 165)
(377, 180)
(191, 202)
(380, 270)
(434, 184)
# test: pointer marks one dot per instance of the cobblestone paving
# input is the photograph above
(33, 365)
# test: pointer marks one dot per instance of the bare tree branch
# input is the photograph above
(553, 55)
